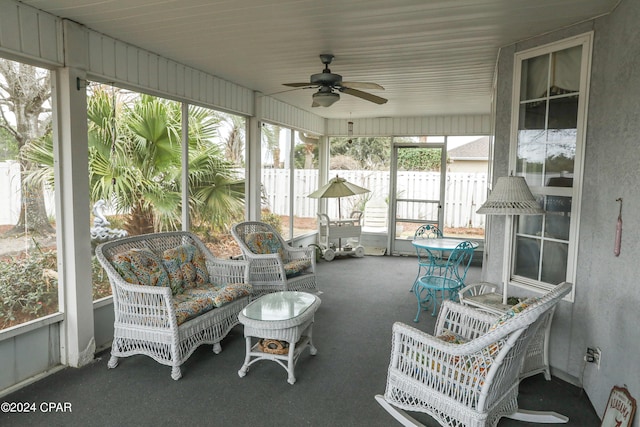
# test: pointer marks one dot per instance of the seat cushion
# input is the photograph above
(186, 268)
(474, 369)
(220, 295)
(294, 268)
(231, 292)
(204, 291)
(188, 307)
(141, 267)
(264, 243)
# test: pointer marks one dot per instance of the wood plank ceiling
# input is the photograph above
(433, 57)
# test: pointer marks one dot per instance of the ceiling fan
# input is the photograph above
(329, 84)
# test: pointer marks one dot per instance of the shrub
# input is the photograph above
(272, 219)
(99, 279)
(28, 287)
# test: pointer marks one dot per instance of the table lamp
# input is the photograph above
(510, 196)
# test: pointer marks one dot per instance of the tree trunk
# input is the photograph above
(139, 221)
(25, 92)
(33, 214)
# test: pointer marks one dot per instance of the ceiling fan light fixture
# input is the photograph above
(325, 99)
(329, 84)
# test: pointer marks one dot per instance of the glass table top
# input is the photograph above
(279, 306)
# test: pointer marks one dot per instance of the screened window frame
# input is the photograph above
(291, 139)
(586, 41)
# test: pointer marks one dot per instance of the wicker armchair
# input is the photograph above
(274, 265)
(149, 319)
(467, 373)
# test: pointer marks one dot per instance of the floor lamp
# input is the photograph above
(510, 196)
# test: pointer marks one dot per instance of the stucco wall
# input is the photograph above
(605, 312)
(612, 170)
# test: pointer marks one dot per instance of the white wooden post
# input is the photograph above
(73, 221)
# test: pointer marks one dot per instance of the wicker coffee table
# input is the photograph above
(281, 318)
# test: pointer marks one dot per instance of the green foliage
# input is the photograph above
(375, 154)
(29, 286)
(8, 146)
(116, 221)
(317, 251)
(99, 280)
(419, 159)
(28, 289)
(370, 153)
(271, 219)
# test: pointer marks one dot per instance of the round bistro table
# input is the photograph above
(284, 316)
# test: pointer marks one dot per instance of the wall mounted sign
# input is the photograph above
(621, 408)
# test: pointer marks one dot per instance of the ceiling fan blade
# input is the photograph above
(315, 104)
(362, 85)
(364, 95)
(299, 85)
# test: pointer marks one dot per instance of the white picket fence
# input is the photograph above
(9, 192)
(465, 192)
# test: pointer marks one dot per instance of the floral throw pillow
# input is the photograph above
(264, 243)
(186, 267)
(141, 267)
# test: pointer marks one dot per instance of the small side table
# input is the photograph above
(483, 296)
(284, 316)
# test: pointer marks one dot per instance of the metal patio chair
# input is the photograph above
(427, 260)
(448, 280)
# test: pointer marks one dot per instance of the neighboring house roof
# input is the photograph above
(475, 150)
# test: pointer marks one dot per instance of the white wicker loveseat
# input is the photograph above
(274, 264)
(467, 373)
(170, 295)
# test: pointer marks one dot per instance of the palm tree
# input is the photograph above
(271, 139)
(135, 161)
(309, 149)
(234, 141)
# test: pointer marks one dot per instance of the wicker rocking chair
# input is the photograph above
(274, 265)
(484, 296)
(467, 373)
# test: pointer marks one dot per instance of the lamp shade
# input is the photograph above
(511, 196)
